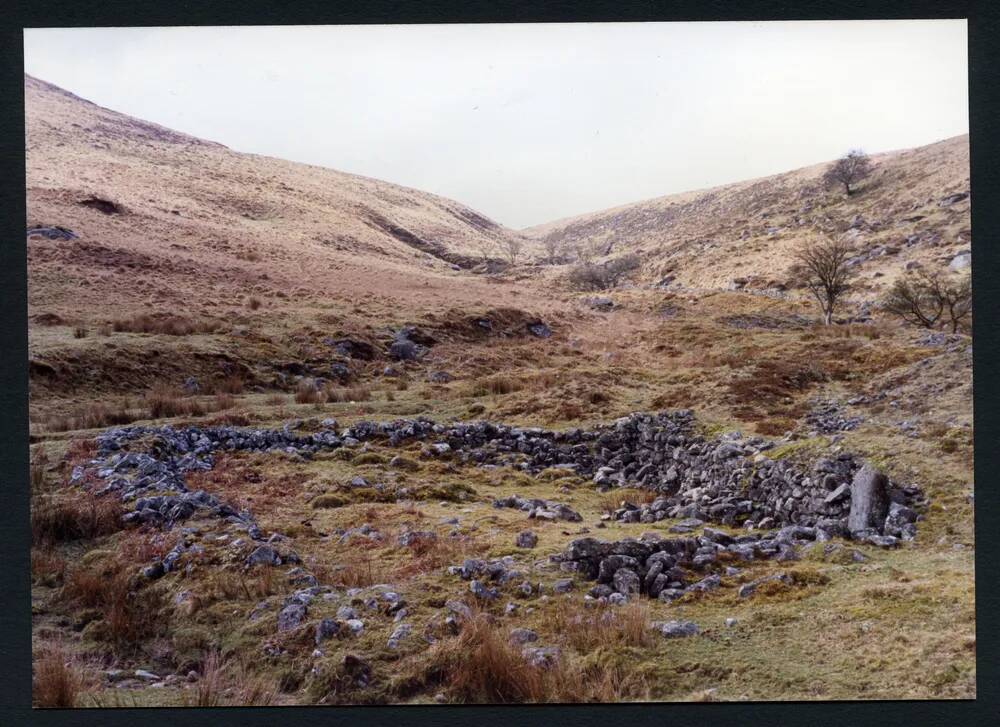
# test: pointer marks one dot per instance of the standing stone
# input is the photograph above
(869, 500)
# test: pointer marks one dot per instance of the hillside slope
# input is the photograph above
(913, 210)
(164, 224)
(129, 183)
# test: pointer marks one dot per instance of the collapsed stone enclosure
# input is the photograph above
(726, 479)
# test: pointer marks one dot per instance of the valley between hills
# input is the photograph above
(300, 437)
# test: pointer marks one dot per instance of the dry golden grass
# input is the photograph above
(208, 691)
(81, 516)
(228, 585)
(232, 384)
(56, 681)
(611, 501)
(307, 393)
(496, 385)
(167, 325)
(95, 415)
(168, 401)
(590, 628)
(47, 565)
(356, 569)
(432, 554)
(131, 610)
(344, 394)
(482, 665)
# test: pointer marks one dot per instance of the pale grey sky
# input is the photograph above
(530, 123)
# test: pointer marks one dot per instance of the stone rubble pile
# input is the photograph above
(670, 568)
(539, 509)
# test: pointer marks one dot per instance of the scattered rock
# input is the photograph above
(522, 635)
(677, 629)
(526, 539)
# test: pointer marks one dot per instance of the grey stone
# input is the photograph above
(291, 616)
(326, 629)
(677, 629)
(522, 635)
(869, 500)
(563, 585)
(526, 539)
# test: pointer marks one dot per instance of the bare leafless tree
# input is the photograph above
(848, 170)
(587, 250)
(908, 298)
(821, 265)
(605, 275)
(512, 247)
(931, 299)
(553, 249)
(957, 296)
(486, 247)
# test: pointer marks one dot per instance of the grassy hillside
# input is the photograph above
(903, 216)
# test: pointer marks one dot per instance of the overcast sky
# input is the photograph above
(530, 123)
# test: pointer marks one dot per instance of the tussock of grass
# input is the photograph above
(56, 682)
(322, 502)
(95, 415)
(167, 325)
(482, 665)
(590, 628)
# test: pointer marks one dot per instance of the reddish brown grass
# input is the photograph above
(55, 681)
(167, 325)
(83, 517)
(95, 415)
(587, 629)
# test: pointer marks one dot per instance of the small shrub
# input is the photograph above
(79, 332)
(602, 276)
(253, 303)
